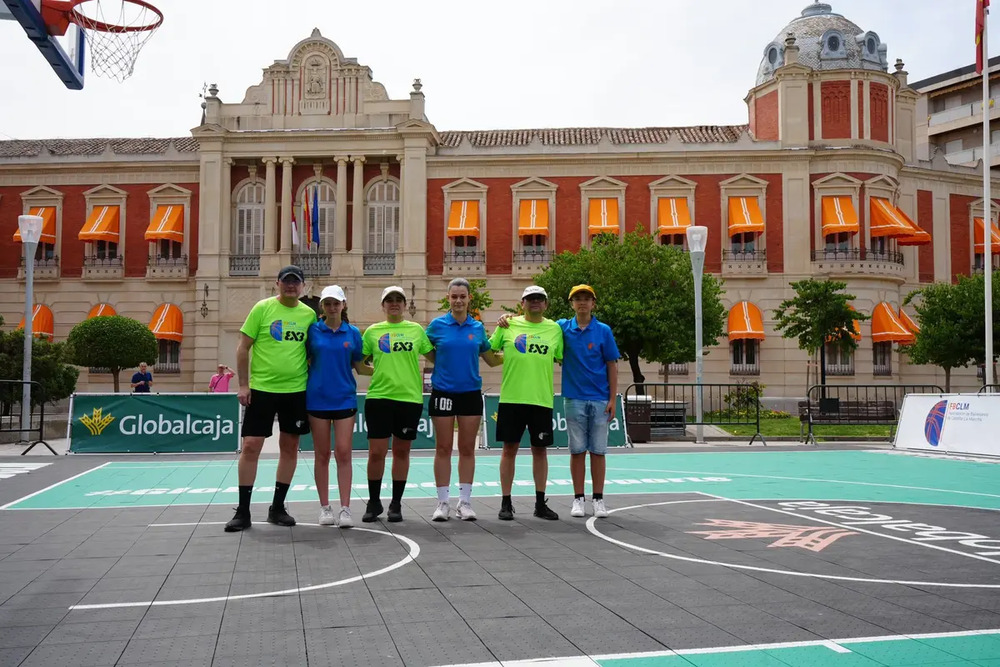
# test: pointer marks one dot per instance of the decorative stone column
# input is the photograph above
(340, 225)
(413, 244)
(358, 204)
(226, 208)
(286, 204)
(270, 211)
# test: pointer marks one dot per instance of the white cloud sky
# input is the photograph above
(515, 64)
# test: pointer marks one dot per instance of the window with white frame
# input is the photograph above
(744, 243)
(383, 217)
(745, 354)
(318, 238)
(882, 358)
(839, 242)
(248, 232)
(839, 361)
(168, 358)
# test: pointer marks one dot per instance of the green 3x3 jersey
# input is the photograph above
(395, 349)
(278, 356)
(529, 350)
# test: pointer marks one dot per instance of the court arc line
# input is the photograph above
(414, 552)
(591, 527)
(52, 486)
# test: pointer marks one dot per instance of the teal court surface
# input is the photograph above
(741, 557)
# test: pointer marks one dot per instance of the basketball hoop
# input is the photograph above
(115, 41)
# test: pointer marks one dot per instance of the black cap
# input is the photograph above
(292, 270)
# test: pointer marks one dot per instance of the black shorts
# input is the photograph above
(513, 418)
(447, 404)
(386, 417)
(258, 419)
(333, 415)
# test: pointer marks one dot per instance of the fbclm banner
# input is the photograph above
(154, 423)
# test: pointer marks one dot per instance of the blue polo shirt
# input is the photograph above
(456, 353)
(586, 353)
(331, 384)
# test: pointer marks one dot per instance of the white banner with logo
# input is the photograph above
(950, 423)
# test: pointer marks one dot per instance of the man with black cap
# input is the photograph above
(272, 371)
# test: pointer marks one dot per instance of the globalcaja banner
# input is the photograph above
(560, 436)
(154, 423)
(359, 438)
(950, 423)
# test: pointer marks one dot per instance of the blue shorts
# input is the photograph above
(587, 426)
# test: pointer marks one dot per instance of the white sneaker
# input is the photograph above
(326, 517)
(600, 511)
(344, 520)
(465, 511)
(442, 512)
(578, 508)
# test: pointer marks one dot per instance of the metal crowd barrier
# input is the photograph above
(12, 409)
(656, 409)
(989, 389)
(855, 405)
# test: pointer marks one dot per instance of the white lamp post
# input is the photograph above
(30, 227)
(697, 238)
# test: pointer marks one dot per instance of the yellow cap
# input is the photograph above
(582, 288)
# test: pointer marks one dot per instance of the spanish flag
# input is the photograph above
(981, 6)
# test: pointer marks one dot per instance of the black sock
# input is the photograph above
(280, 491)
(597, 496)
(539, 497)
(579, 496)
(245, 492)
(374, 490)
(505, 501)
(398, 486)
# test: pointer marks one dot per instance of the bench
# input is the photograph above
(845, 413)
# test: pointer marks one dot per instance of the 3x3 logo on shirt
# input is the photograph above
(284, 331)
(530, 344)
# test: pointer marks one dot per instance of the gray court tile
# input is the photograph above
(23, 635)
(11, 618)
(436, 643)
(91, 654)
(174, 580)
(191, 648)
(14, 656)
(352, 647)
(291, 646)
(277, 613)
(168, 593)
(457, 574)
(603, 632)
(186, 626)
(410, 606)
(208, 610)
(521, 638)
(486, 602)
(43, 585)
(700, 636)
(42, 600)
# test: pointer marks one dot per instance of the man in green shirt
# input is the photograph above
(395, 400)
(272, 371)
(530, 345)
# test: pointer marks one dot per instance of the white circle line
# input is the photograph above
(411, 556)
(591, 523)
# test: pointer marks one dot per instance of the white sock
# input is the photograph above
(444, 494)
(464, 493)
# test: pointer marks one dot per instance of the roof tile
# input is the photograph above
(589, 136)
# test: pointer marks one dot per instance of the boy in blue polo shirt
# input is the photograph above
(589, 389)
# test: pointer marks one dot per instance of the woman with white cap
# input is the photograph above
(334, 347)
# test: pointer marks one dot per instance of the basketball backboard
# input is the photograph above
(65, 54)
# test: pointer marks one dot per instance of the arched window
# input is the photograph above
(323, 196)
(383, 218)
(248, 232)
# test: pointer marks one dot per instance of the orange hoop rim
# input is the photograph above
(69, 12)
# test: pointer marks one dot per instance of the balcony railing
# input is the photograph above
(857, 255)
(744, 369)
(744, 255)
(244, 265)
(533, 257)
(167, 368)
(840, 369)
(167, 268)
(168, 261)
(314, 264)
(882, 370)
(465, 257)
(674, 369)
(957, 113)
(379, 263)
(972, 155)
(45, 269)
(105, 262)
(103, 268)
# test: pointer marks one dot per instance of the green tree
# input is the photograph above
(113, 342)
(819, 313)
(50, 367)
(645, 293)
(479, 299)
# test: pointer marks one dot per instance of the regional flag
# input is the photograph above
(315, 213)
(981, 12)
(295, 231)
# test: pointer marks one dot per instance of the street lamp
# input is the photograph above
(30, 227)
(697, 238)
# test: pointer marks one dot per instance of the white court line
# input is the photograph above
(411, 556)
(591, 526)
(49, 488)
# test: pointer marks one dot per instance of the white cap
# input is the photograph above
(394, 289)
(333, 292)
(534, 289)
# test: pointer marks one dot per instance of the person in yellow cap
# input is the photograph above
(589, 389)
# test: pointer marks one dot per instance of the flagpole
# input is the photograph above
(987, 207)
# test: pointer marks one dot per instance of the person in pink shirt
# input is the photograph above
(220, 381)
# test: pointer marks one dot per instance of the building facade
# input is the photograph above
(318, 166)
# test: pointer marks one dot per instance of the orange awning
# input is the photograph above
(102, 225)
(101, 310)
(745, 321)
(167, 224)
(886, 326)
(48, 214)
(908, 322)
(533, 217)
(673, 215)
(602, 216)
(887, 220)
(839, 216)
(980, 237)
(41, 322)
(167, 323)
(918, 237)
(745, 216)
(463, 220)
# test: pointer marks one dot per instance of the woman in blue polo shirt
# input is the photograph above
(459, 340)
(334, 347)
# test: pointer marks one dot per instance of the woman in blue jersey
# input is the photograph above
(334, 347)
(459, 340)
